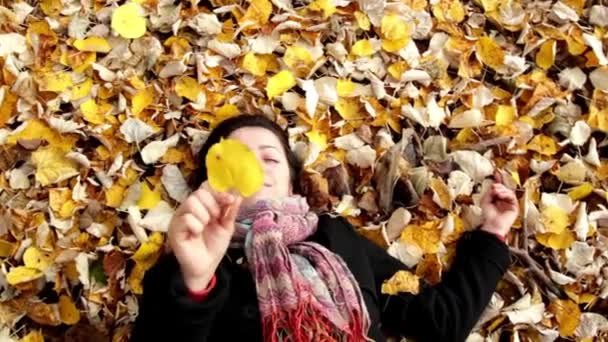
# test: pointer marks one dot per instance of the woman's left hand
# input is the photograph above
(500, 209)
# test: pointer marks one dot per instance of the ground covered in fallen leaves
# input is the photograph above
(402, 111)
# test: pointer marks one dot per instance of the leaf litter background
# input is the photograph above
(403, 112)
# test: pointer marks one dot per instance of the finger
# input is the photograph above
(222, 198)
(231, 212)
(207, 200)
(498, 177)
(193, 206)
(192, 224)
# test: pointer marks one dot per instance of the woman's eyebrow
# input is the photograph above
(268, 146)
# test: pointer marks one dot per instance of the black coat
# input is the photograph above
(445, 312)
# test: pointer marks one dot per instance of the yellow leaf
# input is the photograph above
(257, 13)
(489, 52)
(34, 258)
(581, 191)
(142, 99)
(187, 87)
(93, 44)
(33, 336)
(256, 65)
(546, 54)
(37, 129)
(149, 198)
(225, 112)
(401, 281)
(397, 69)
(135, 279)
(51, 8)
(318, 138)
(7, 105)
(52, 166)
(556, 241)
(427, 236)
(114, 195)
(81, 90)
(232, 165)
(505, 115)
(325, 6)
(6, 248)
(363, 48)
(90, 112)
(61, 202)
(362, 20)
(280, 83)
(128, 22)
(441, 193)
(568, 315)
(555, 219)
(348, 108)
(22, 274)
(543, 144)
(149, 251)
(395, 32)
(55, 82)
(345, 87)
(68, 311)
(598, 111)
(297, 56)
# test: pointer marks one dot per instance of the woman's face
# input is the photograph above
(269, 151)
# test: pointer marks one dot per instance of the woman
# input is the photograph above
(265, 268)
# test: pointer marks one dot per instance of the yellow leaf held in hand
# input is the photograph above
(128, 22)
(543, 144)
(149, 198)
(280, 83)
(93, 44)
(363, 48)
(22, 274)
(545, 57)
(53, 166)
(489, 52)
(232, 165)
(568, 315)
(68, 311)
(402, 281)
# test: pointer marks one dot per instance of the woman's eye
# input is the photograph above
(270, 160)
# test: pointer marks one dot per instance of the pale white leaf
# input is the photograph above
(398, 220)
(473, 164)
(64, 126)
(523, 311)
(598, 49)
(591, 325)
(134, 220)
(578, 256)
(174, 183)
(312, 97)
(156, 149)
(581, 227)
(326, 88)
(572, 78)
(560, 279)
(599, 78)
(408, 253)
(172, 68)
(12, 43)
(592, 156)
(598, 15)
(580, 133)
(466, 119)
(228, 50)
(349, 142)
(135, 130)
(158, 218)
(564, 12)
(555, 199)
(82, 266)
(205, 23)
(362, 157)
(460, 183)
(291, 101)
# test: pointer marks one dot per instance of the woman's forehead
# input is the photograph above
(257, 138)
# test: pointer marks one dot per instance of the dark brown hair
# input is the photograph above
(226, 127)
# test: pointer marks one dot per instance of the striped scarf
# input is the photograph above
(305, 292)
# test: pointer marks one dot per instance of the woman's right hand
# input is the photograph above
(200, 232)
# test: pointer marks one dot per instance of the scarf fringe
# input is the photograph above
(305, 324)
